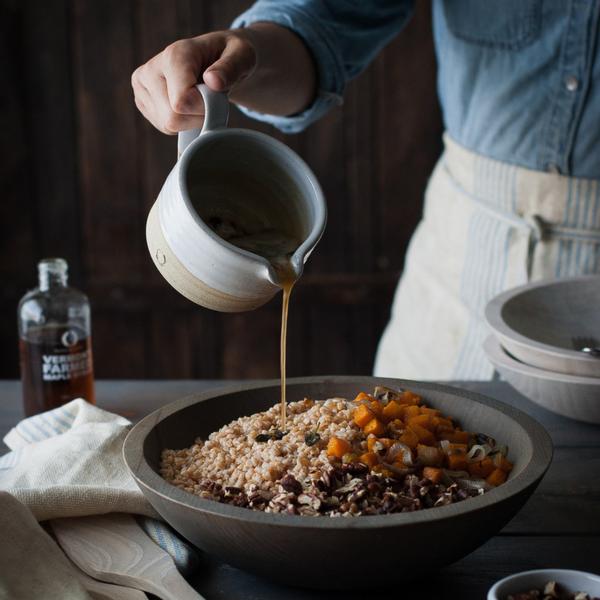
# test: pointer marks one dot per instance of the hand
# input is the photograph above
(164, 87)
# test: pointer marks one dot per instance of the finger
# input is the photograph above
(182, 63)
(143, 101)
(169, 121)
(235, 64)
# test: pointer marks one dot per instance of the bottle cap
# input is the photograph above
(52, 271)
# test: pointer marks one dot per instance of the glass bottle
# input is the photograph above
(54, 341)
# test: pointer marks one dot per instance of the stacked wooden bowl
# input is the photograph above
(539, 332)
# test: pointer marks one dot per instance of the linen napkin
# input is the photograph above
(32, 566)
(67, 462)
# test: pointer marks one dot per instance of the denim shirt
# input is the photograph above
(518, 80)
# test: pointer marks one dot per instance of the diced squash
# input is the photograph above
(456, 436)
(457, 462)
(374, 426)
(428, 455)
(501, 462)
(408, 397)
(338, 447)
(432, 412)
(369, 458)
(457, 448)
(381, 445)
(442, 423)
(425, 436)
(433, 474)
(362, 415)
(496, 477)
(409, 437)
(410, 412)
(377, 408)
(422, 421)
(482, 468)
(363, 396)
(392, 410)
(382, 471)
(371, 439)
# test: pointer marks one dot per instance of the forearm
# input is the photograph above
(284, 81)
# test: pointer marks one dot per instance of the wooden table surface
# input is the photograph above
(558, 527)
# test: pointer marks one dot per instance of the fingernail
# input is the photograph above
(219, 77)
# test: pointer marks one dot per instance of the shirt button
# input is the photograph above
(553, 168)
(571, 83)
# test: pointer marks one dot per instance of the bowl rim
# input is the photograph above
(499, 356)
(148, 479)
(494, 318)
(493, 591)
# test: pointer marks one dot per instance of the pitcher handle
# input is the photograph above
(216, 112)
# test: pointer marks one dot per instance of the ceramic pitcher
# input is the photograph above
(196, 261)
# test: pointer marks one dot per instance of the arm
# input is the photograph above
(343, 37)
(287, 57)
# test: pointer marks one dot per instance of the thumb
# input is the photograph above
(236, 63)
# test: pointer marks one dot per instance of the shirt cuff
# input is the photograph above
(330, 69)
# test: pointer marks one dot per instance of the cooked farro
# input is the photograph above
(250, 463)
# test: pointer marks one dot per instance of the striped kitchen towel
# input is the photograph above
(67, 462)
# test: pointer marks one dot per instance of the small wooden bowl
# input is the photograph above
(571, 396)
(325, 552)
(537, 323)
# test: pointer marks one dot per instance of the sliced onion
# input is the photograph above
(395, 469)
(428, 455)
(502, 450)
(445, 446)
(478, 452)
(474, 484)
(455, 474)
(397, 449)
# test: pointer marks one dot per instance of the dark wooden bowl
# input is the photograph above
(325, 552)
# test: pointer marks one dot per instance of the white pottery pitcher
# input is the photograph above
(196, 261)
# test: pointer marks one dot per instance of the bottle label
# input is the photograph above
(62, 367)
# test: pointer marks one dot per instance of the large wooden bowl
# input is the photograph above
(325, 552)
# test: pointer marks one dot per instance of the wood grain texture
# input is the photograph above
(81, 169)
(114, 548)
(99, 590)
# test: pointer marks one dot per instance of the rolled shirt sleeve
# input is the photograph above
(343, 36)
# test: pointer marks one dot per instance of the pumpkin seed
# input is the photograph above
(311, 438)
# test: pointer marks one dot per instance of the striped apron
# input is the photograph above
(487, 226)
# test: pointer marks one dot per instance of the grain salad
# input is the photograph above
(380, 453)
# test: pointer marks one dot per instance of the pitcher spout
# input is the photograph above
(285, 270)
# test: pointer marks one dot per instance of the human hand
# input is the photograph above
(164, 87)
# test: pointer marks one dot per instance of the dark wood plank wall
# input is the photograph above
(80, 169)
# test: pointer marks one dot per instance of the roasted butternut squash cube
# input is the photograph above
(425, 436)
(337, 447)
(362, 415)
(374, 426)
(496, 477)
(392, 410)
(409, 437)
(369, 458)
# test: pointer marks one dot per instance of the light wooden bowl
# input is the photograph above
(537, 322)
(322, 552)
(567, 395)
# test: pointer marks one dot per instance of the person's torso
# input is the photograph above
(519, 80)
